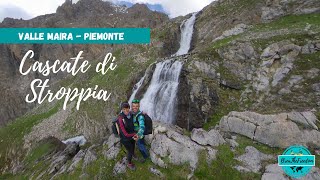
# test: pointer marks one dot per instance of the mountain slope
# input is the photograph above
(266, 63)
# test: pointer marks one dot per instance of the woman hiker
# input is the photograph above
(127, 134)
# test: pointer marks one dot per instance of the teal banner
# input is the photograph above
(74, 35)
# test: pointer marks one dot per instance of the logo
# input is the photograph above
(296, 161)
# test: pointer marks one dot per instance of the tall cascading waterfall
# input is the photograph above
(186, 35)
(159, 101)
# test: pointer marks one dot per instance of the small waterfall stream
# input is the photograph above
(160, 99)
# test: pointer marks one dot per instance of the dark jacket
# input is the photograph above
(126, 127)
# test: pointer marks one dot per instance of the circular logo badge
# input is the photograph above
(296, 161)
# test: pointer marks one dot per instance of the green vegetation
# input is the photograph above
(290, 22)
(223, 42)
(222, 167)
(244, 142)
(228, 7)
(228, 101)
(286, 22)
(11, 141)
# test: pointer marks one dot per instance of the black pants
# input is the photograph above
(129, 145)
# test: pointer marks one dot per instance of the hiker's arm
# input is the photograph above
(123, 130)
(141, 126)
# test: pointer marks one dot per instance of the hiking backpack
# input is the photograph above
(115, 127)
(147, 123)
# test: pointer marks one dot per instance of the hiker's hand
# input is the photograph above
(136, 137)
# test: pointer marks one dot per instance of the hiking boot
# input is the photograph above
(131, 166)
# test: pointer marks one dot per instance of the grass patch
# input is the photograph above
(222, 167)
(290, 22)
(228, 101)
(244, 142)
(11, 140)
(223, 42)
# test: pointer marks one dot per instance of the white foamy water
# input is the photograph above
(135, 89)
(160, 99)
(186, 35)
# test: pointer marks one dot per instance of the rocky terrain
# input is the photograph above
(249, 88)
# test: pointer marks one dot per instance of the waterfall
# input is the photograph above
(136, 88)
(186, 35)
(160, 99)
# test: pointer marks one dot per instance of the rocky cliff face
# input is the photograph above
(84, 13)
(251, 81)
(222, 15)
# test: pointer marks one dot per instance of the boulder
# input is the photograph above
(307, 119)
(89, 157)
(313, 72)
(271, 13)
(316, 87)
(156, 172)
(274, 171)
(178, 148)
(238, 29)
(112, 153)
(273, 130)
(251, 160)
(76, 160)
(111, 147)
(310, 48)
(211, 154)
(157, 160)
(120, 167)
(61, 157)
(313, 174)
(202, 137)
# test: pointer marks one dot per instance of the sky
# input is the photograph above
(27, 9)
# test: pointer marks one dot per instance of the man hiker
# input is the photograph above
(126, 133)
(139, 128)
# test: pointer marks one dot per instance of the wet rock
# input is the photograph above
(196, 101)
(203, 67)
(251, 160)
